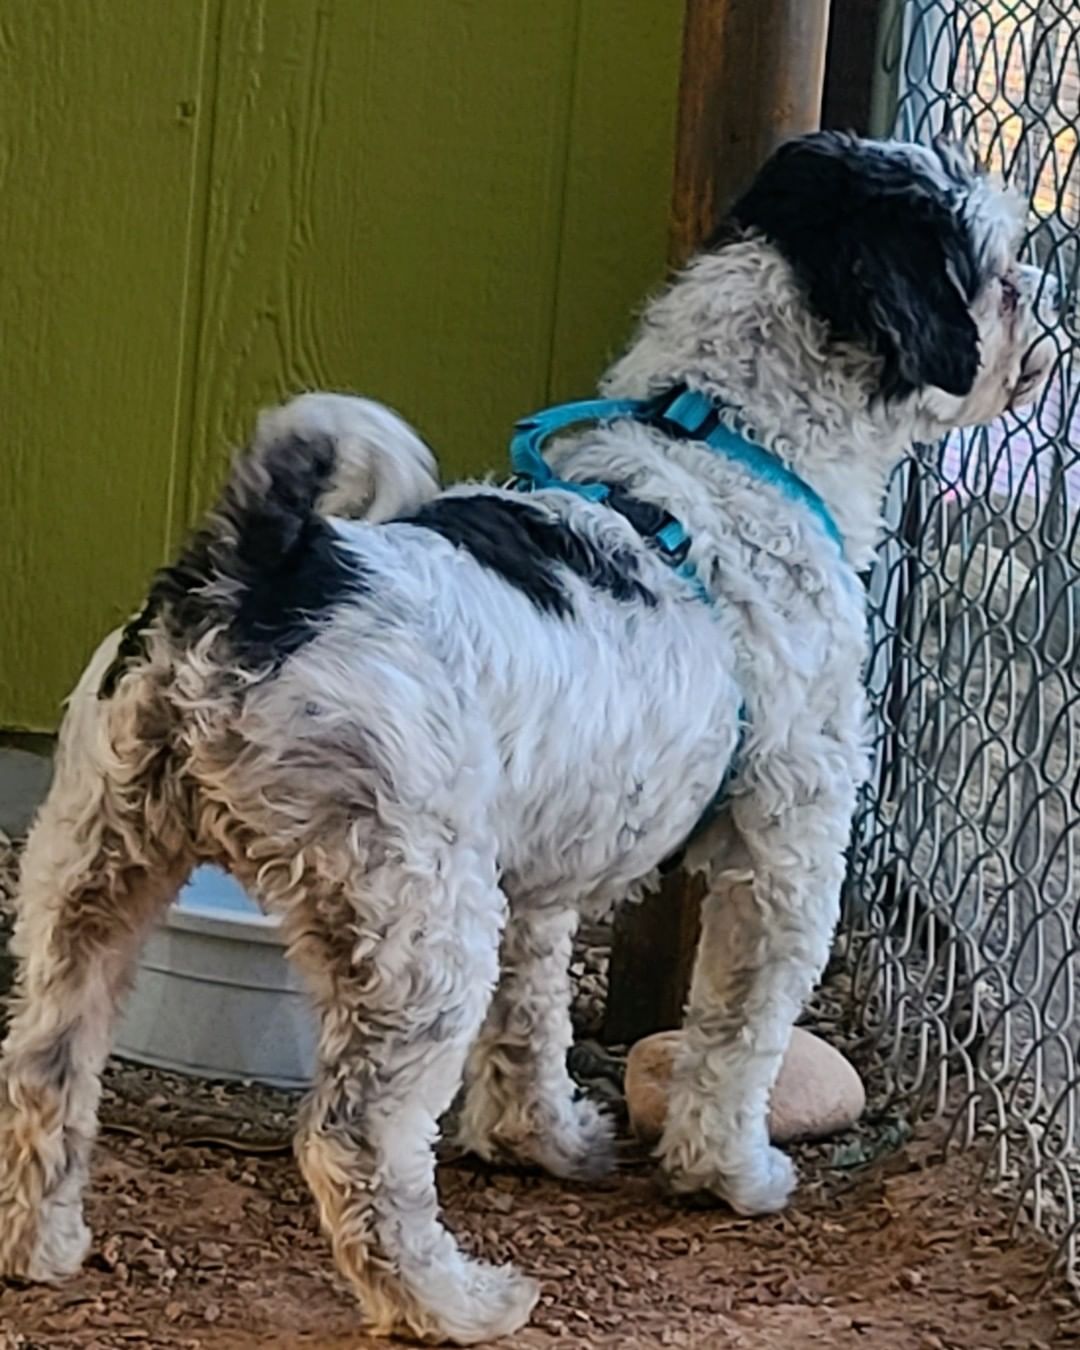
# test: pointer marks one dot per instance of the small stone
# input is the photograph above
(818, 1092)
(110, 1251)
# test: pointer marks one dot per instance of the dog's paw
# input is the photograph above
(484, 1303)
(759, 1184)
(57, 1250)
(574, 1139)
(580, 1146)
(63, 1242)
(500, 1301)
(764, 1187)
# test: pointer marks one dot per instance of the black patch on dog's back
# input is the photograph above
(288, 604)
(526, 546)
(265, 568)
(281, 599)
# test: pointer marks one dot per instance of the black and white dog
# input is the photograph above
(428, 729)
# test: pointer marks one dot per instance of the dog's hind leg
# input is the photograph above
(101, 861)
(521, 1105)
(766, 932)
(402, 971)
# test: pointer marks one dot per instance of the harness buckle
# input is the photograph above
(673, 542)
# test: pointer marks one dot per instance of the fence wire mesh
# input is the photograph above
(964, 921)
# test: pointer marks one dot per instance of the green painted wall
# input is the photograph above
(451, 205)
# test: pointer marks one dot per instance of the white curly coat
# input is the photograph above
(444, 768)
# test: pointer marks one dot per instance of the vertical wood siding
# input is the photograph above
(451, 205)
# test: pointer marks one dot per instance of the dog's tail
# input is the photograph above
(268, 541)
(372, 466)
(267, 560)
(320, 455)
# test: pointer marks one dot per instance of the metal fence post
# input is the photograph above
(752, 76)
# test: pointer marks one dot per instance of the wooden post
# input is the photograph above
(752, 76)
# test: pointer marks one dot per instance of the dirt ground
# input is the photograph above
(206, 1240)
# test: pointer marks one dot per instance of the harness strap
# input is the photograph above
(683, 414)
(531, 434)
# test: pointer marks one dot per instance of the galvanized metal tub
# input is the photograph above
(214, 995)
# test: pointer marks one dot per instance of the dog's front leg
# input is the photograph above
(765, 939)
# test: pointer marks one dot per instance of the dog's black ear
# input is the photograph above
(882, 251)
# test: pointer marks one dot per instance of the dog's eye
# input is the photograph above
(1010, 295)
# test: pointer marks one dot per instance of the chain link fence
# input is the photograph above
(964, 916)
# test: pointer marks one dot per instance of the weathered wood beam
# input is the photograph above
(752, 76)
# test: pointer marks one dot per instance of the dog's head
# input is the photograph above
(911, 252)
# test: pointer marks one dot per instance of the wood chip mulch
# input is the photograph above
(205, 1239)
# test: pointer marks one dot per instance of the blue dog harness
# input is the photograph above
(682, 414)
